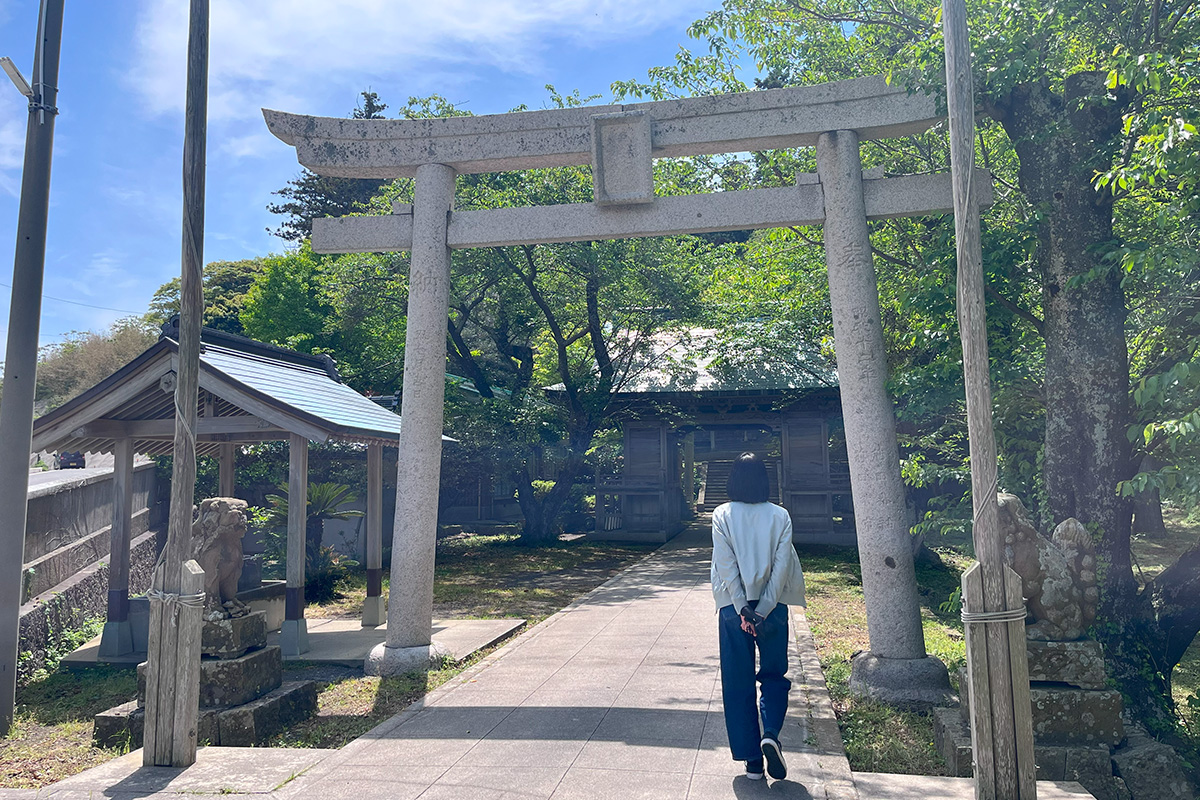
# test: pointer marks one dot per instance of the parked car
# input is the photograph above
(71, 461)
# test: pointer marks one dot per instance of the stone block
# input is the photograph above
(622, 165)
(233, 681)
(256, 722)
(1076, 716)
(1079, 663)
(1152, 771)
(952, 737)
(124, 725)
(230, 638)
(1092, 768)
(118, 726)
(910, 682)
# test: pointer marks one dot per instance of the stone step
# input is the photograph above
(1065, 715)
(1078, 663)
(232, 681)
(247, 725)
(1090, 765)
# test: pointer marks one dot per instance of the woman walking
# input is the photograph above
(755, 576)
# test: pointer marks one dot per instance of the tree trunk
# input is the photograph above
(542, 514)
(1061, 141)
(1147, 505)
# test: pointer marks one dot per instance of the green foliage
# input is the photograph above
(83, 359)
(324, 568)
(224, 286)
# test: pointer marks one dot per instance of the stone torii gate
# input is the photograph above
(620, 143)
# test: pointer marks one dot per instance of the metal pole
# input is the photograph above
(20, 362)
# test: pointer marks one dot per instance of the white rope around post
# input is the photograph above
(984, 617)
(170, 598)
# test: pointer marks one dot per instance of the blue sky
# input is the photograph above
(114, 229)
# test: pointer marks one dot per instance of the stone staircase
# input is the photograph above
(716, 478)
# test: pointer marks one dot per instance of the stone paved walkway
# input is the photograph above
(617, 696)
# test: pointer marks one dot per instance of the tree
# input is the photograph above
(225, 284)
(1091, 102)
(310, 195)
(81, 360)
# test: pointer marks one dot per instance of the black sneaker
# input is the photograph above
(754, 769)
(772, 752)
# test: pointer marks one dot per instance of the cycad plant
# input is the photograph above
(325, 501)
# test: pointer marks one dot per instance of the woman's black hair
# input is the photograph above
(748, 481)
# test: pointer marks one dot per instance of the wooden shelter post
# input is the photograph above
(993, 606)
(117, 639)
(225, 475)
(897, 668)
(409, 642)
(293, 637)
(374, 610)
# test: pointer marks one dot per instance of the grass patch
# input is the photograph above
(480, 576)
(51, 737)
(878, 738)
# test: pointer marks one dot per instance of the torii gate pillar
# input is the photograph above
(897, 668)
(409, 645)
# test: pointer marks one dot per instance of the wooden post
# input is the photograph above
(1001, 724)
(293, 638)
(173, 677)
(225, 473)
(374, 610)
(172, 711)
(117, 639)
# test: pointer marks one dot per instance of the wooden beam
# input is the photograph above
(374, 610)
(49, 436)
(804, 204)
(294, 635)
(165, 428)
(729, 123)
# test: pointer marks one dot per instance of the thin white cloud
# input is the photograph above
(290, 53)
(13, 118)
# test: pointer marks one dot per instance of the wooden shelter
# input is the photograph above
(692, 404)
(248, 392)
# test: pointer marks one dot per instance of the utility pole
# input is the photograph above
(993, 608)
(176, 599)
(20, 362)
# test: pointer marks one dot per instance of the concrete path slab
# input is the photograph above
(347, 642)
(218, 770)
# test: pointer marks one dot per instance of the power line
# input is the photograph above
(85, 305)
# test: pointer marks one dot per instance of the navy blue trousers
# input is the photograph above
(743, 706)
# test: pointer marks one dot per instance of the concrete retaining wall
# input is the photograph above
(66, 558)
(48, 618)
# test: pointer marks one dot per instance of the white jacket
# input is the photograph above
(753, 557)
